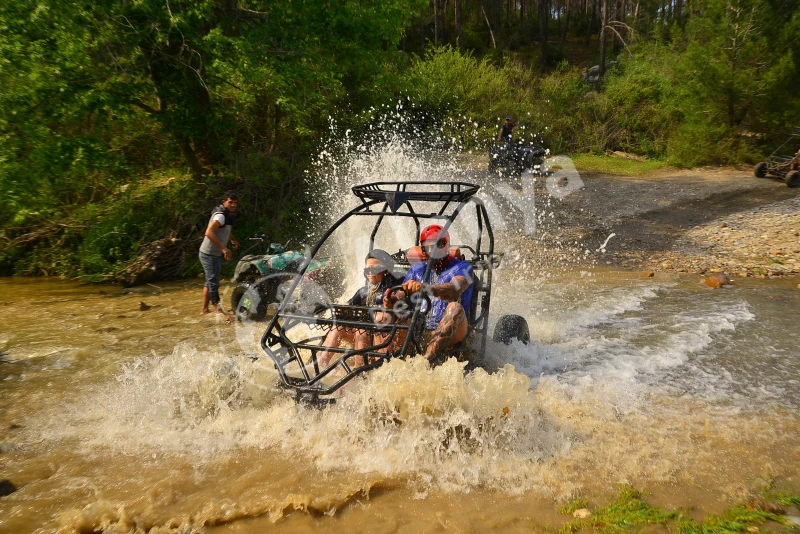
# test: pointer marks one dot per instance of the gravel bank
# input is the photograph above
(696, 221)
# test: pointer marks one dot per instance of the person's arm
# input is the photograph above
(234, 241)
(211, 234)
(450, 291)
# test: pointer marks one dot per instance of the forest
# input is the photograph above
(123, 121)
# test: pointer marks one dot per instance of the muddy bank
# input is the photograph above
(681, 221)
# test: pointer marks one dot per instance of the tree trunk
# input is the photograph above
(616, 44)
(543, 22)
(444, 22)
(198, 171)
(459, 36)
(422, 29)
(566, 24)
(491, 33)
(591, 22)
(436, 22)
(602, 38)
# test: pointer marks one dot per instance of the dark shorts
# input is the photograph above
(212, 265)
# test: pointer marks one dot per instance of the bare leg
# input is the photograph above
(451, 330)
(206, 300)
(334, 339)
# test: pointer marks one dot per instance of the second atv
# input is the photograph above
(261, 279)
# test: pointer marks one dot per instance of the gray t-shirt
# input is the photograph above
(223, 233)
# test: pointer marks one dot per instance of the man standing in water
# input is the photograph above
(215, 247)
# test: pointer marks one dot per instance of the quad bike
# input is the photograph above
(781, 164)
(262, 279)
(515, 159)
(295, 336)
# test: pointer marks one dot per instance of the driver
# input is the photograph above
(506, 131)
(450, 287)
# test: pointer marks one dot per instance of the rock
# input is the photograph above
(648, 274)
(717, 280)
(752, 529)
(144, 307)
(582, 513)
(6, 487)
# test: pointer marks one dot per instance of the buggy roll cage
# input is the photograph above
(298, 362)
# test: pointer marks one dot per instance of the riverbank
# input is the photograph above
(692, 221)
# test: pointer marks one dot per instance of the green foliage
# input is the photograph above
(735, 519)
(99, 95)
(630, 510)
(615, 165)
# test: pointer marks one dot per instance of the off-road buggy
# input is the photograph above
(389, 213)
(515, 159)
(261, 279)
(780, 163)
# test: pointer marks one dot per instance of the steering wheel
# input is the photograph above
(408, 300)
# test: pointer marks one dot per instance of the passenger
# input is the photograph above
(378, 272)
(450, 288)
(795, 164)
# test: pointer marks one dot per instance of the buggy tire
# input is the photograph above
(792, 179)
(511, 327)
(761, 170)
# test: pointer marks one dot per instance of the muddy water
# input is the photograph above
(122, 419)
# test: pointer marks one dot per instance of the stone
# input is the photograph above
(582, 513)
(144, 307)
(7, 487)
(752, 529)
(717, 280)
(651, 274)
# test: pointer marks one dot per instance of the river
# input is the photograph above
(126, 411)
(117, 418)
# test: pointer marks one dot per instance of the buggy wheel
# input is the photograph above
(492, 164)
(511, 327)
(761, 170)
(792, 179)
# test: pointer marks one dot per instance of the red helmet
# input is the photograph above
(434, 231)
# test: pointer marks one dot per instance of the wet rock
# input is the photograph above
(6, 487)
(144, 307)
(14, 426)
(648, 274)
(6, 447)
(717, 280)
(582, 513)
